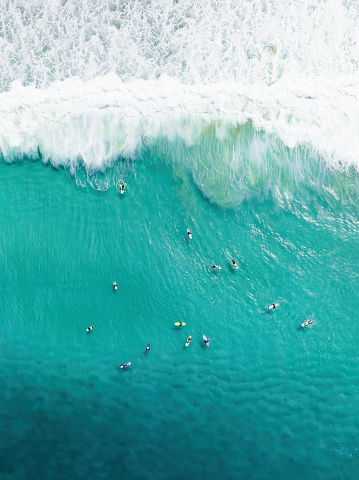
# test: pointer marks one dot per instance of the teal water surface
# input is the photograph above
(267, 400)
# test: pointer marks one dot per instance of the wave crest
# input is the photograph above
(93, 123)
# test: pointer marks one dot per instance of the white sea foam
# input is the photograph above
(207, 41)
(89, 80)
(95, 122)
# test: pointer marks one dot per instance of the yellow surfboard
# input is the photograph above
(188, 341)
(179, 324)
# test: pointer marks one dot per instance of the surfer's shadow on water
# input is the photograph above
(214, 273)
(266, 311)
(119, 369)
(300, 328)
(231, 270)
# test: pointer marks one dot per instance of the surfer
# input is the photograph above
(148, 348)
(216, 267)
(274, 305)
(206, 340)
(122, 187)
(114, 286)
(89, 329)
(125, 365)
(307, 322)
(189, 233)
(234, 263)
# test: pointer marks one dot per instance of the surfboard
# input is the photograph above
(189, 234)
(180, 324)
(274, 305)
(216, 267)
(125, 365)
(148, 348)
(188, 341)
(206, 341)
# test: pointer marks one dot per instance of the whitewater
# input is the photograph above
(87, 83)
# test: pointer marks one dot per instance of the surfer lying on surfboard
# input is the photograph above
(274, 305)
(125, 365)
(307, 322)
(216, 267)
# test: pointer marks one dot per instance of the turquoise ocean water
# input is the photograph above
(220, 118)
(267, 399)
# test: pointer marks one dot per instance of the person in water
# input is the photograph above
(206, 341)
(180, 324)
(123, 186)
(274, 305)
(189, 233)
(234, 263)
(148, 348)
(216, 267)
(89, 329)
(308, 322)
(114, 285)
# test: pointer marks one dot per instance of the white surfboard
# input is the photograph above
(205, 339)
(274, 305)
(124, 365)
